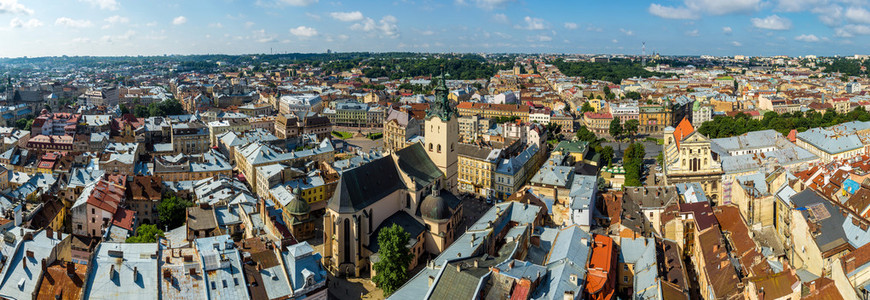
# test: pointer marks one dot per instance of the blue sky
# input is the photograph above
(671, 27)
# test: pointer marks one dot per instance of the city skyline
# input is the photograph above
(687, 27)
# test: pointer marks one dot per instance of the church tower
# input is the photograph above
(442, 134)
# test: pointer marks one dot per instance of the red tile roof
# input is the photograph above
(124, 218)
(683, 129)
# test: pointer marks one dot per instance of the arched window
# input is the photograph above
(439, 148)
(430, 147)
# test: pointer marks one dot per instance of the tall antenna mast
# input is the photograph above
(643, 54)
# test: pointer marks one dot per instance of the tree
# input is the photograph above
(586, 107)
(392, 268)
(630, 127)
(660, 159)
(615, 128)
(606, 156)
(146, 233)
(124, 109)
(632, 95)
(173, 211)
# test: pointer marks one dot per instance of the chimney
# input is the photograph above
(569, 295)
(44, 266)
(135, 273)
(458, 268)
(477, 264)
(70, 269)
(573, 279)
(431, 280)
(112, 272)
(49, 232)
(59, 235)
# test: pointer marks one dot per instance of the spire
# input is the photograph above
(441, 106)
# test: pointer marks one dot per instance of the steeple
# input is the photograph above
(441, 105)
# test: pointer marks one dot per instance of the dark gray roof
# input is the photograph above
(829, 218)
(414, 161)
(411, 225)
(366, 184)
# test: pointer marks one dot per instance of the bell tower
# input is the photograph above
(442, 134)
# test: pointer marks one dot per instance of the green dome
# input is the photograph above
(297, 206)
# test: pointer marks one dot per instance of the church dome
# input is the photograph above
(297, 206)
(434, 207)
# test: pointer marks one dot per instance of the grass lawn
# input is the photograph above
(374, 136)
(342, 134)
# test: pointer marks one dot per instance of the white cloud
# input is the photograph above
(80, 40)
(857, 15)
(123, 37)
(540, 38)
(668, 12)
(427, 32)
(313, 16)
(179, 20)
(797, 5)
(216, 25)
(615, 41)
(812, 38)
(386, 26)
(569, 25)
(851, 30)
(830, 15)
(693, 9)
(772, 22)
(303, 31)
(104, 4)
(626, 31)
(727, 30)
(64, 21)
(351, 16)
(13, 7)
(500, 18)
(18, 23)
(299, 2)
(736, 44)
(249, 24)
(533, 24)
(486, 4)
(151, 24)
(692, 33)
(117, 19)
(719, 7)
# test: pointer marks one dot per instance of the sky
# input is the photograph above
(670, 27)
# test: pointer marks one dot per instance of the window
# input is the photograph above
(625, 267)
(624, 279)
(430, 147)
(439, 148)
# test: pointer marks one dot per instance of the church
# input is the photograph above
(412, 187)
(688, 158)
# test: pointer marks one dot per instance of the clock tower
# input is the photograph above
(442, 134)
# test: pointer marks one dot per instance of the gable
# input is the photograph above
(695, 137)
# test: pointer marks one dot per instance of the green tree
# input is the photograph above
(632, 95)
(146, 233)
(630, 127)
(586, 107)
(392, 268)
(173, 211)
(141, 111)
(124, 109)
(606, 156)
(660, 159)
(615, 128)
